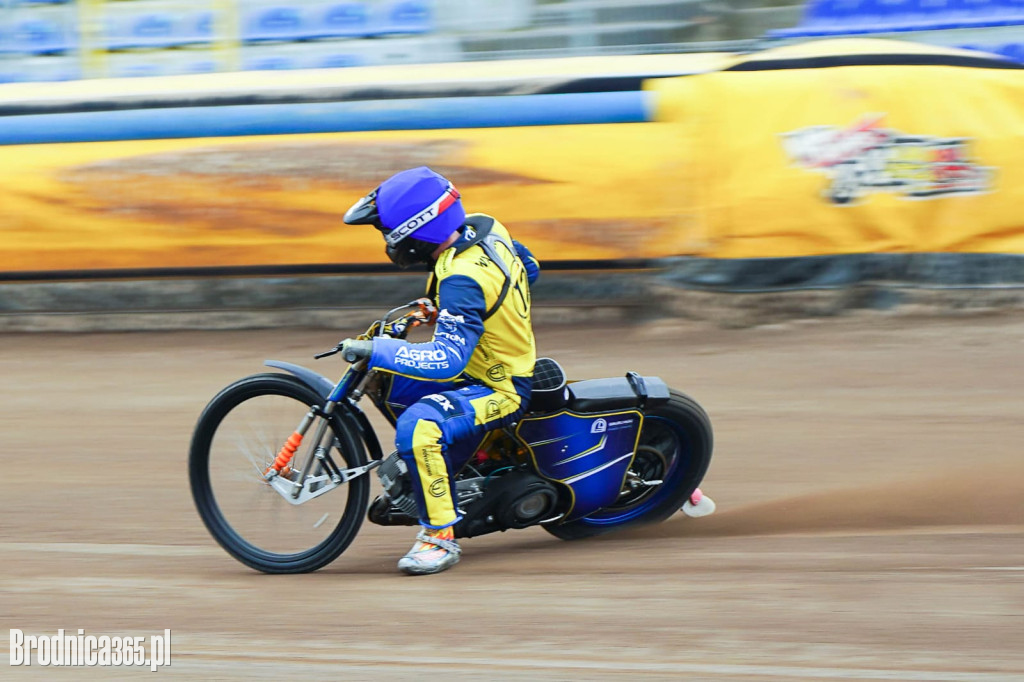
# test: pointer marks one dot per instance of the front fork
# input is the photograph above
(278, 474)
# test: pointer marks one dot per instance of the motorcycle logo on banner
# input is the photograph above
(865, 158)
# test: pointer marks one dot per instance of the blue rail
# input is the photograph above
(329, 117)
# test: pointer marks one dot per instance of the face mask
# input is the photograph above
(409, 252)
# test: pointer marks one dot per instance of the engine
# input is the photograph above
(506, 498)
(512, 499)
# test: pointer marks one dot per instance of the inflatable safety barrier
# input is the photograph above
(843, 151)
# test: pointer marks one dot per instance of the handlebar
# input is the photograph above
(423, 312)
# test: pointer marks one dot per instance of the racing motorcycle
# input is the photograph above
(280, 462)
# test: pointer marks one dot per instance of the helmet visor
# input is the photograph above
(364, 212)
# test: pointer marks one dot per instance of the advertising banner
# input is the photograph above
(570, 192)
(822, 149)
(811, 158)
(264, 164)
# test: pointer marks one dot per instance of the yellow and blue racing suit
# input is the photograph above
(474, 375)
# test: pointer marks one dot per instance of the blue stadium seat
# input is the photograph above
(934, 14)
(981, 13)
(271, 62)
(152, 29)
(198, 61)
(133, 25)
(273, 22)
(878, 16)
(339, 20)
(1011, 12)
(38, 35)
(196, 27)
(403, 16)
(139, 68)
(897, 15)
(849, 17)
(822, 18)
(340, 60)
(42, 69)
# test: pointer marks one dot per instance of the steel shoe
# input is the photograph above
(699, 505)
(434, 551)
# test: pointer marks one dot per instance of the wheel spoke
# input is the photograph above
(244, 449)
(237, 438)
(246, 441)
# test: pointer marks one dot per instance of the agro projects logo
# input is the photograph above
(866, 157)
(421, 358)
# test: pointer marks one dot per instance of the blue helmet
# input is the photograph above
(416, 210)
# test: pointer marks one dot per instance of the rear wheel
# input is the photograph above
(675, 448)
(237, 437)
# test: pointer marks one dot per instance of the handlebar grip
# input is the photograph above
(350, 356)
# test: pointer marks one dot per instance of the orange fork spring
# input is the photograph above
(287, 452)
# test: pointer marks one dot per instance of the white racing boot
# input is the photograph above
(699, 505)
(434, 551)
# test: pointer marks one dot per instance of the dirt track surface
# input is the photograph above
(868, 473)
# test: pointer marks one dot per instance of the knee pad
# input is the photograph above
(405, 427)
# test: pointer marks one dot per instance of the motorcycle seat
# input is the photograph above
(552, 391)
(549, 386)
(617, 393)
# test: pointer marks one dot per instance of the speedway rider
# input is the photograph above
(474, 375)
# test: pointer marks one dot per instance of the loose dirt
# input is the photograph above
(868, 473)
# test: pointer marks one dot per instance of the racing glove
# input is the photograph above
(354, 350)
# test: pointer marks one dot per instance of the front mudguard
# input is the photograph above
(349, 410)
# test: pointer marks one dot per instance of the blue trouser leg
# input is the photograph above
(438, 434)
(403, 392)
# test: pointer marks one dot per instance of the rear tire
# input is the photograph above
(237, 437)
(675, 446)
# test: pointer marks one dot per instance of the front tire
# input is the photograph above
(675, 447)
(237, 437)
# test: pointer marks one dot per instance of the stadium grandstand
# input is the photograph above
(52, 40)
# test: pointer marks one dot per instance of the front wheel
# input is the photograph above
(237, 437)
(675, 448)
